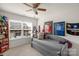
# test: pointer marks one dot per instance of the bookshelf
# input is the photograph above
(4, 34)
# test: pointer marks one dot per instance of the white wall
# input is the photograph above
(17, 17)
(62, 12)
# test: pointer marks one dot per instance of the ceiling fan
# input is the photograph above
(34, 7)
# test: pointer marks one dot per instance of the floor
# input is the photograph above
(25, 50)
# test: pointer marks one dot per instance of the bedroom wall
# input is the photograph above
(63, 12)
(11, 16)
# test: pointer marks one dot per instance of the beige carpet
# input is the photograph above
(25, 50)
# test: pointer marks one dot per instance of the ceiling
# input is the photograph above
(53, 9)
(18, 8)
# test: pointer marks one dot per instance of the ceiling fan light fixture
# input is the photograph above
(35, 8)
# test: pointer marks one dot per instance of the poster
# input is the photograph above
(72, 28)
(59, 28)
(48, 27)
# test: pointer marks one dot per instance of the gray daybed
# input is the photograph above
(53, 46)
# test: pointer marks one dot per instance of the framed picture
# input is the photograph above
(72, 28)
(59, 28)
(48, 27)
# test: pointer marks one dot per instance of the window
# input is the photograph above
(20, 29)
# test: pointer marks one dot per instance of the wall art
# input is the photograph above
(59, 28)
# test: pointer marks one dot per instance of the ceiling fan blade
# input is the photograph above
(27, 4)
(35, 5)
(29, 10)
(41, 9)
